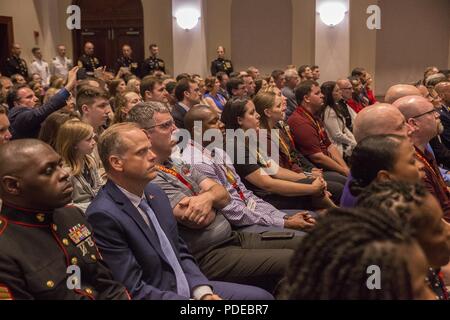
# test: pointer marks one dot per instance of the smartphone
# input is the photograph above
(277, 235)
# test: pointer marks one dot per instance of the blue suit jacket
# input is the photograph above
(445, 119)
(132, 250)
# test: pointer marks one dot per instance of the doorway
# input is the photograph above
(109, 27)
(6, 39)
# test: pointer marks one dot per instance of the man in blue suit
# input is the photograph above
(136, 231)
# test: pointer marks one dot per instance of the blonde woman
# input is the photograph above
(75, 143)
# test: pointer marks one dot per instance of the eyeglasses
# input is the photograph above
(434, 110)
(164, 126)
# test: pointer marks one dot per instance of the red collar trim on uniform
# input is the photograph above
(11, 206)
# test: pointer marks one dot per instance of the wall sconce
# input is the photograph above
(187, 18)
(332, 13)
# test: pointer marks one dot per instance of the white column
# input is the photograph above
(189, 46)
(333, 46)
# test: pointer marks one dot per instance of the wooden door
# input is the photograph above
(6, 39)
(133, 37)
(109, 24)
(101, 38)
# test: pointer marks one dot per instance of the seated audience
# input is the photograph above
(333, 117)
(40, 236)
(347, 95)
(419, 210)
(25, 118)
(152, 89)
(197, 202)
(421, 115)
(50, 127)
(245, 209)
(136, 230)
(305, 73)
(271, 106)
(213, 98)
(236, 88)
(443, 89)
(187, 93)
(308, 130)
(334, 260)
(124, 103)
(383, 158)
(282, 188)
(5, 134)
(375, 120)
(292, 81)
(75, 143)
(279, 79)
(358, 100)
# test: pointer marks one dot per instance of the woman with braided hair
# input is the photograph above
(418, 209)
(333, 261)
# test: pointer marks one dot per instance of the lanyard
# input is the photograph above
(425, 161)
(316, 124)
(228, 173)
(178, 176)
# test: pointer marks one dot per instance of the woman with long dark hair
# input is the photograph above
(334, 119)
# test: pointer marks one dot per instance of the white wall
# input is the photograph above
(189, 47)
(46, 17)
(333, 46)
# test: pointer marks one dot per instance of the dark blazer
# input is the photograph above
(445, 119)
(132, 250)
(26, 122)
(178, 114)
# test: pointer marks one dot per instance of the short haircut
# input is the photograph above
(182, 76)
(14, 94)
(220, 75)
(381, 151)
(143, 113)
(3, 110)
(314, 67)
(358, 72)
(35, 49)
(87, 96)
(193, 115)
(148, 84)
(170, 87)
(111, 141)
(234, 84)
(153, 45)
(302, 69)
(276, 74)
(183, 86)
(304, 89)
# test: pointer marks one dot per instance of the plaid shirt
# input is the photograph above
(237, 212)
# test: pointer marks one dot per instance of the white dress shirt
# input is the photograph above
(197, 292)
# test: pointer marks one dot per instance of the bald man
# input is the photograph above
(88, 61)
(371, 121)
(439, 150)
(400, 90)
(15, 64)
(420, 113)
(40, 238)
(443, 90)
